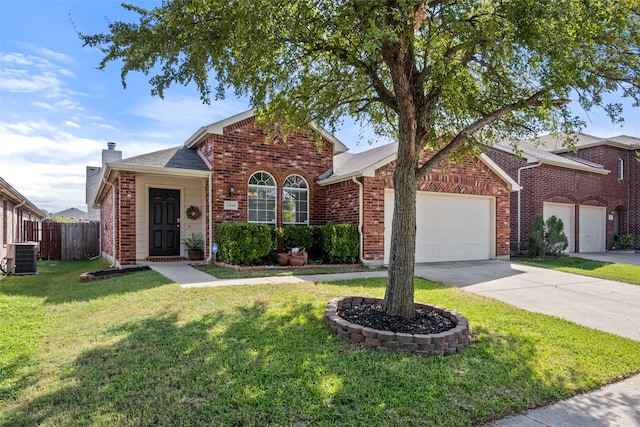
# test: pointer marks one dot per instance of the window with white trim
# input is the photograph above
(262, 198)
(295, 200)
(620, 169)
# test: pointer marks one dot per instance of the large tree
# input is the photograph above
(449, 75)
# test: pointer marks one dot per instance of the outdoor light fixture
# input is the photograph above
(232, 190)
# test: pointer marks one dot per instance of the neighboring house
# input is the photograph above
(74, 214)
(226, 172)
(17, 214)
(594, 190)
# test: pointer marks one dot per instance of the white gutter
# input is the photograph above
(210, 217)
(113, 219)
(360, 219)
(519, 198)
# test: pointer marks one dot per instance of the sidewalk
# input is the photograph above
(571, 297)
(188, 277)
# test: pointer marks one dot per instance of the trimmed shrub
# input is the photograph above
(340, 243)
(625, 241)
(241, 243)
(297, 235)
(546, 238)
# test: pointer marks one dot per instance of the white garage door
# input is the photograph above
(592, 229)
(449, 227)
(564, 212)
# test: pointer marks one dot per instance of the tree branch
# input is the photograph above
(463, 135)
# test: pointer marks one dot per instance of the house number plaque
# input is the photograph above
(230, 205)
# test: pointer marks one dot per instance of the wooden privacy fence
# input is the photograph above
(61, 241)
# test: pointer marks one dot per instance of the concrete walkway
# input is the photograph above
(188, 277)
(600, 304)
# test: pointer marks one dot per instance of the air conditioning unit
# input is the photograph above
(22, 258)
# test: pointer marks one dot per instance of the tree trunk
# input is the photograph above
(399, 293)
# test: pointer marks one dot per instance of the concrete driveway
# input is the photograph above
(601, 304)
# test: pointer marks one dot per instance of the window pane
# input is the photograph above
(295, 200)
(261, 195)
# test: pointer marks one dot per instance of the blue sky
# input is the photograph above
(57, 111)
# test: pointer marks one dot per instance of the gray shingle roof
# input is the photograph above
(179, 157)
(554, 142)
(74, 213)
(346, 164)
(540, 151)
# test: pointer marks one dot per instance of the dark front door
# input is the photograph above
(164, 222)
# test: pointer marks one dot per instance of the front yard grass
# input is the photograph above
(625, 273)
(138, 350)
(229, 273)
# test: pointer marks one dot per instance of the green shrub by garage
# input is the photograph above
(340, 243)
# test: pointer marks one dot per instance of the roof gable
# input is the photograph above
(537, 152)
(555, 142)
(14, 195)
(347, 165)
(179, 157)
(217, 128)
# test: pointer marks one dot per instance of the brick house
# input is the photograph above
(594, 190)
(225, 172)
(17, 213)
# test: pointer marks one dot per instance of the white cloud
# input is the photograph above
(53, 187)
(56, 56)
(42, 138)
(43, 105)
(185, 112)
(24, 73)
(69, 104)
(71, 124)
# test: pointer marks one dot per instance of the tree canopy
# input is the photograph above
(447, 75)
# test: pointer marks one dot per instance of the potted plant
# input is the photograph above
(194, 244)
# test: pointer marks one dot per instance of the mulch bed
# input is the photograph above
(373, 316)
(108, 274)
(286, 267)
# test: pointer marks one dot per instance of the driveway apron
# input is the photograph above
(601, 304)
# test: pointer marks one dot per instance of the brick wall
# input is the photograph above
(106, 222)
(633, 163)
(125, 219)
(126, 214)
(242, 151)
(472, 177)
(548, 183)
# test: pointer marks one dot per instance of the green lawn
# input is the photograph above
(626, 273)
(138, 350)
(229, 273)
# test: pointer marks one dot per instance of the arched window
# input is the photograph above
(262, 198)
(295, 200)
(620, 169)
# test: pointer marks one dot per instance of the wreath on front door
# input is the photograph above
(193, 212)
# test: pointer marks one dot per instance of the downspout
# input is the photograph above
(15, 219)
(360, 219)
(113, 220)
(519, 198)
(210, 218)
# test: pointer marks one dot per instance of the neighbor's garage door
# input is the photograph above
(449, 227)
(592, 229)
(565, 212)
